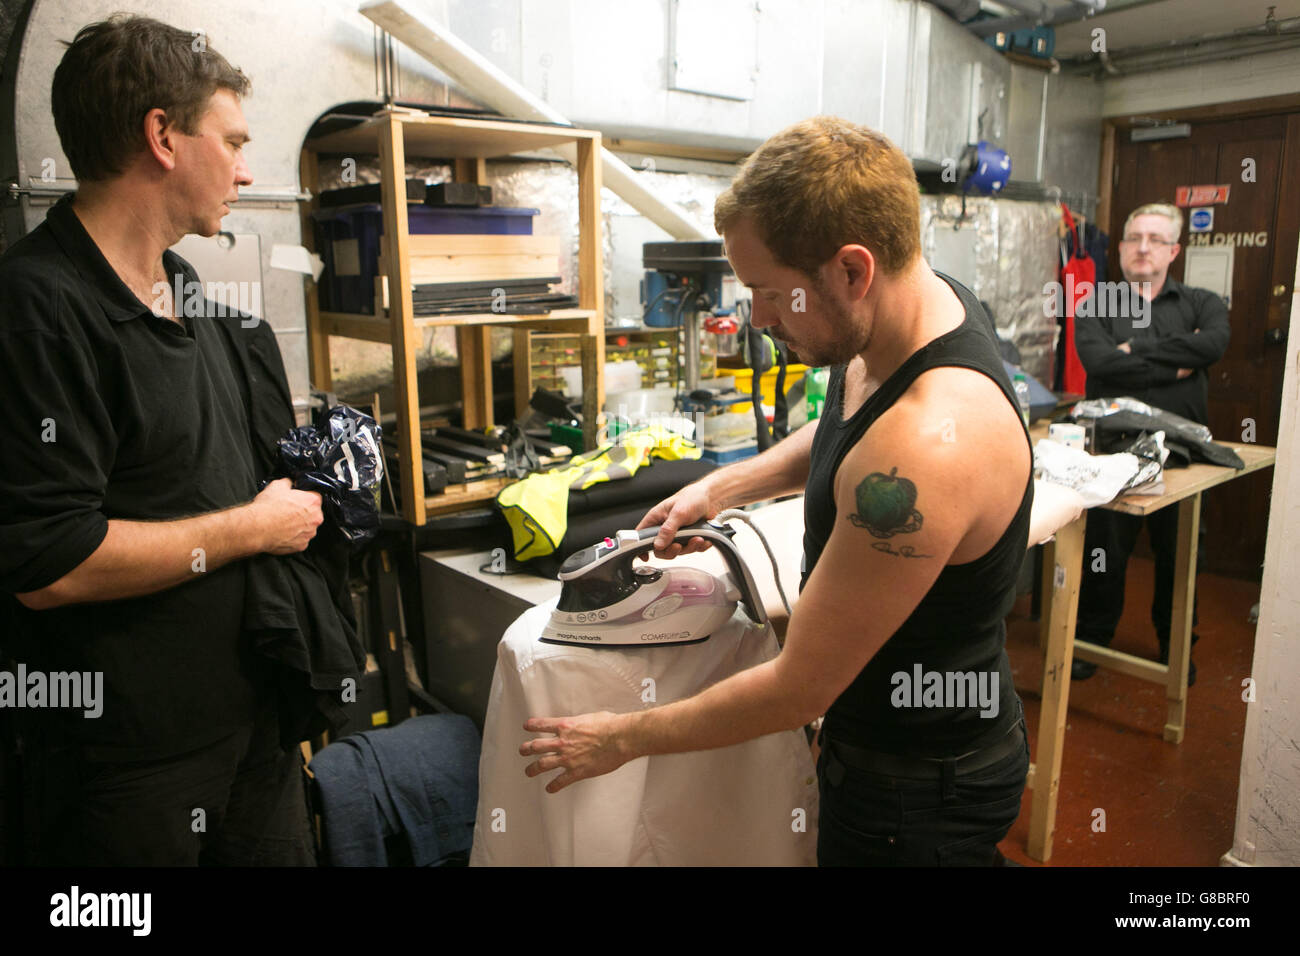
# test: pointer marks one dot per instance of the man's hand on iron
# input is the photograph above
(688, 506)
(584, 746)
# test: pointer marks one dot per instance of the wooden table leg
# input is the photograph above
(1063, 560)
(1180, 631)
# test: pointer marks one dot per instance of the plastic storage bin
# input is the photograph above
(744, 377)
(347, 238)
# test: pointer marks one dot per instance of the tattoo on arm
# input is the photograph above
(904, 550)
(886, 507)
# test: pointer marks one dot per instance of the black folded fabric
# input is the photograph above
(1117, 431)
(294, 615)
(649, 486)
(297, 608)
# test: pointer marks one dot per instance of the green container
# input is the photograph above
(815, 381)
(571, 435)
(567, 435)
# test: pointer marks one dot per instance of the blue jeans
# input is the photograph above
(873, 819)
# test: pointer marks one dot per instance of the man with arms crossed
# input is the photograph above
(128, 498)
(1163, 359)
(918, 490)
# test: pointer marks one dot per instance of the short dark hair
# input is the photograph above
(117, 70)
(824, 183)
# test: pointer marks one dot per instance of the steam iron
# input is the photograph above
(608, 601)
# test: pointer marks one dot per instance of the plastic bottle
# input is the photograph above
(1022, 396)
(815, 390)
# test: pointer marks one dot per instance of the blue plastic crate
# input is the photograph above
(347, 238)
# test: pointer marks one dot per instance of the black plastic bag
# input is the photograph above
(342, 460)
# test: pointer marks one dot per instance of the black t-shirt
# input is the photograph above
(110, 412)
(1185, 328)
(959, 627)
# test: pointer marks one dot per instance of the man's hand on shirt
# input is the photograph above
(1184, 372)
(585, 746)
(1124, 347)
(288, 517)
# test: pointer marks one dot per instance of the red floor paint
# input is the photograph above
(1165, 804)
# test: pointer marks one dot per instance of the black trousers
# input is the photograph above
(1108, 543)
(875, 819)
(241, 801)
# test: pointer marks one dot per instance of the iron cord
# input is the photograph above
(727, 515)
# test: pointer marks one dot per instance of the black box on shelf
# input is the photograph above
(458, 194)
(416, 191)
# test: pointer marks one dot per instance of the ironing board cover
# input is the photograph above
(736, 805)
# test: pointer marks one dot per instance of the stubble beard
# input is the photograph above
(848, 341)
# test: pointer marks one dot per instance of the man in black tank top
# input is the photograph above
(918, 486)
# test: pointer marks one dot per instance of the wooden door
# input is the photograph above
(1246, 384)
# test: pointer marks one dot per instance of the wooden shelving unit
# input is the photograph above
(469, 143)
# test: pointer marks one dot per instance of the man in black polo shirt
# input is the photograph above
(127, 497)
(1162, 357)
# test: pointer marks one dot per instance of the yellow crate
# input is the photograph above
(745, 376)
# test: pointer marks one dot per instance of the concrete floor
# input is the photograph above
(1165, 805)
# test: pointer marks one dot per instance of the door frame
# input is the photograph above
(1111, 126)
(1287, 108)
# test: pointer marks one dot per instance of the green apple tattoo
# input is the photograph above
(886, 505)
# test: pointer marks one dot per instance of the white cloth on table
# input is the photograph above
(1097, 478)
(754, 803)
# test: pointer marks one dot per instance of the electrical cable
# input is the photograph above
(727, 515)
(655, 301)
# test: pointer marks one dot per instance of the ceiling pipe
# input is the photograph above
(489, 85)
(1269, 36)
(1035, 15)
(1195, 58)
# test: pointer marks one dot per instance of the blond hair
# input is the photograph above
(824, 183)
(1170, 212)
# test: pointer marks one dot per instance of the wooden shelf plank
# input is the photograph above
(351, 325)
(459, 497)
(451, 137)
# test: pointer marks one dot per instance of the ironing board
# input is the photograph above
(752, 804)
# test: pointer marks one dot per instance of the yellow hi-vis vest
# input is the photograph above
(537, 507)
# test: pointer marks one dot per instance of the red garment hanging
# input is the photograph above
(1078, 280)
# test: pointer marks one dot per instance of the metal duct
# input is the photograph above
(483, 81)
